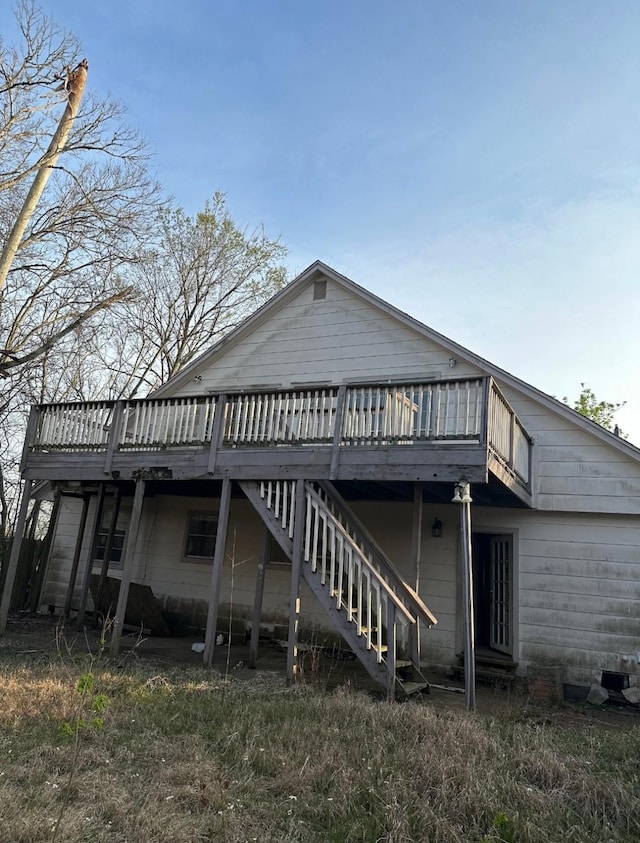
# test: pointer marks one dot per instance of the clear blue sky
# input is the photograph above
(475, 163)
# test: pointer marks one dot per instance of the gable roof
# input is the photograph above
(317, 270)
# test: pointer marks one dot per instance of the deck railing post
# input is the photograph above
(487, 396)
(512, 440)
(217, 433)
(114, 436)
(30, 436)
(337, 431)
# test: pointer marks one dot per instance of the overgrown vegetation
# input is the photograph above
(177, 760)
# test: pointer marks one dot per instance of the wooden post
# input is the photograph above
(128, 552)
(217, 434)
(257, 601)
(114, 435)
(416, 556)
(35, 589)
(86, 582)
(296, 572)
(30, 435)
(16, 546)
(76, 555)
(107, 552)
(337, 431)
(391, 650)
(467, 597)
(216, 572)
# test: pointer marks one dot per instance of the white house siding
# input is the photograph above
(578, 599)
(337, 339)
(391, 525)
(59, 572)
(575, 471)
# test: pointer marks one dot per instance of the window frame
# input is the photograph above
(199, 513)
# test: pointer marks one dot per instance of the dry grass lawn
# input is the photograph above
(182, 755)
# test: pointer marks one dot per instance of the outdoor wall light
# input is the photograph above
(462, 493)
(452, 362)
(436, 529)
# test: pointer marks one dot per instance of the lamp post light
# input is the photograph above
(462, 495)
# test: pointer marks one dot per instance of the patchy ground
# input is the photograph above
(33, 637)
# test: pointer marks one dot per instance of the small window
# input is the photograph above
(200, 540)
(116, 546)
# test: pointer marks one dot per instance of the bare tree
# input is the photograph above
(202, 278)
(64, 256)
(77, 208)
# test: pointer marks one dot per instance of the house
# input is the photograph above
(303, 472)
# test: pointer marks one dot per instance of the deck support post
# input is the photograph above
(86, 582)
(128, 554)
(416, 557)
(296, 573)
(16, 546)
(257, 601)
(216, 572)
(107, 552)
(391, 651)
(463, 497)
(45, 562)
(76, 555)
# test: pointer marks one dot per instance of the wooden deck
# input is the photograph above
(435, 431)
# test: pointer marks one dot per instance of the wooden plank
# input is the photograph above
(14, 556)
(258, 597)
(296, 573)
(76, 555)
(216, 571)
(84, 593)
(217, 433)
(337, 431)
(416, 557)
(128, 553)
(107, 552)
(380, 556)
(114, 435)
(30, 436)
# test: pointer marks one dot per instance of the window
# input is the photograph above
(116, 546)
(200, 540)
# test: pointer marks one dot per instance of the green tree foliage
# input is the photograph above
(601, 412)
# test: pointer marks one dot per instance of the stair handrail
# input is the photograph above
(405, 592)
(384, 586)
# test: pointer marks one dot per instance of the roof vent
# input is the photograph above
(320, 289)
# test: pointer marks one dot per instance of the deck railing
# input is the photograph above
(371, 415)
(506, 436)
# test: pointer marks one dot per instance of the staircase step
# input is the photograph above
(410, 688)
(401, 664)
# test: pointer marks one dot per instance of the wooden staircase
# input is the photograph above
(374, 609)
